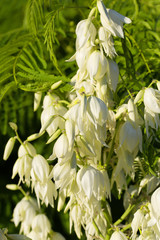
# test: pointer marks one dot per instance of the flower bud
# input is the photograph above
(12, 187)
(37, 100)
(9, 148)
(56, 85)
(13, 126)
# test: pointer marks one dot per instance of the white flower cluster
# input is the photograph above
(146, 219)
(34, 224)
(85, 135)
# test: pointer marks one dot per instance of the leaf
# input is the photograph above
(34, 15)
(6, 88)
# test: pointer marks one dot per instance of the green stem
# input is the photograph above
(126, 227)
(22, 191)
(20, 141)
(125, 214)
(97, 229)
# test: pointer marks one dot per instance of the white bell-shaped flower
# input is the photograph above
(50, 116)
(24, 212)
(152, 100)
(41, 225)
(40, 169)
(23, 165)
(92, 182)
(96, 65)
(155, 203)
(137, 222)
(97, 110)
(61, 146)
(82, 56)
(151, 120)
(85, 30)
(26, 149)
(64, 174)
(130, 136)
(46, 192)
(118, 235)
(111, 20)
(76, 218)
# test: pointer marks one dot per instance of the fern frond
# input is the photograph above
(6, 88)
(34, 15)
(141, 168)
(49, 36)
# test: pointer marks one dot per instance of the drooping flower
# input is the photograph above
(85, 30)
(152, 99)
(97, 110)
(152, 108)
(23, 165)
(118, 235)
(137, 222)
(111, 20)
(155, 203)
(92, 182)
(96, 65)
(50, 116)
(130, 136)
(23, 213)
(40, 169)
(41, 225)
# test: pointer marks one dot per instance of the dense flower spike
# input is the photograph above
(97, 142)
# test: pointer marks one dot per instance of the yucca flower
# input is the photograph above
(96, 65)
(92, 182)
(23, 213)
(111, 20)
(118, 235)
(106, 41)
(85, 31)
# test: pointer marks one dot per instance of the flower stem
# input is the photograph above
(125, 214)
